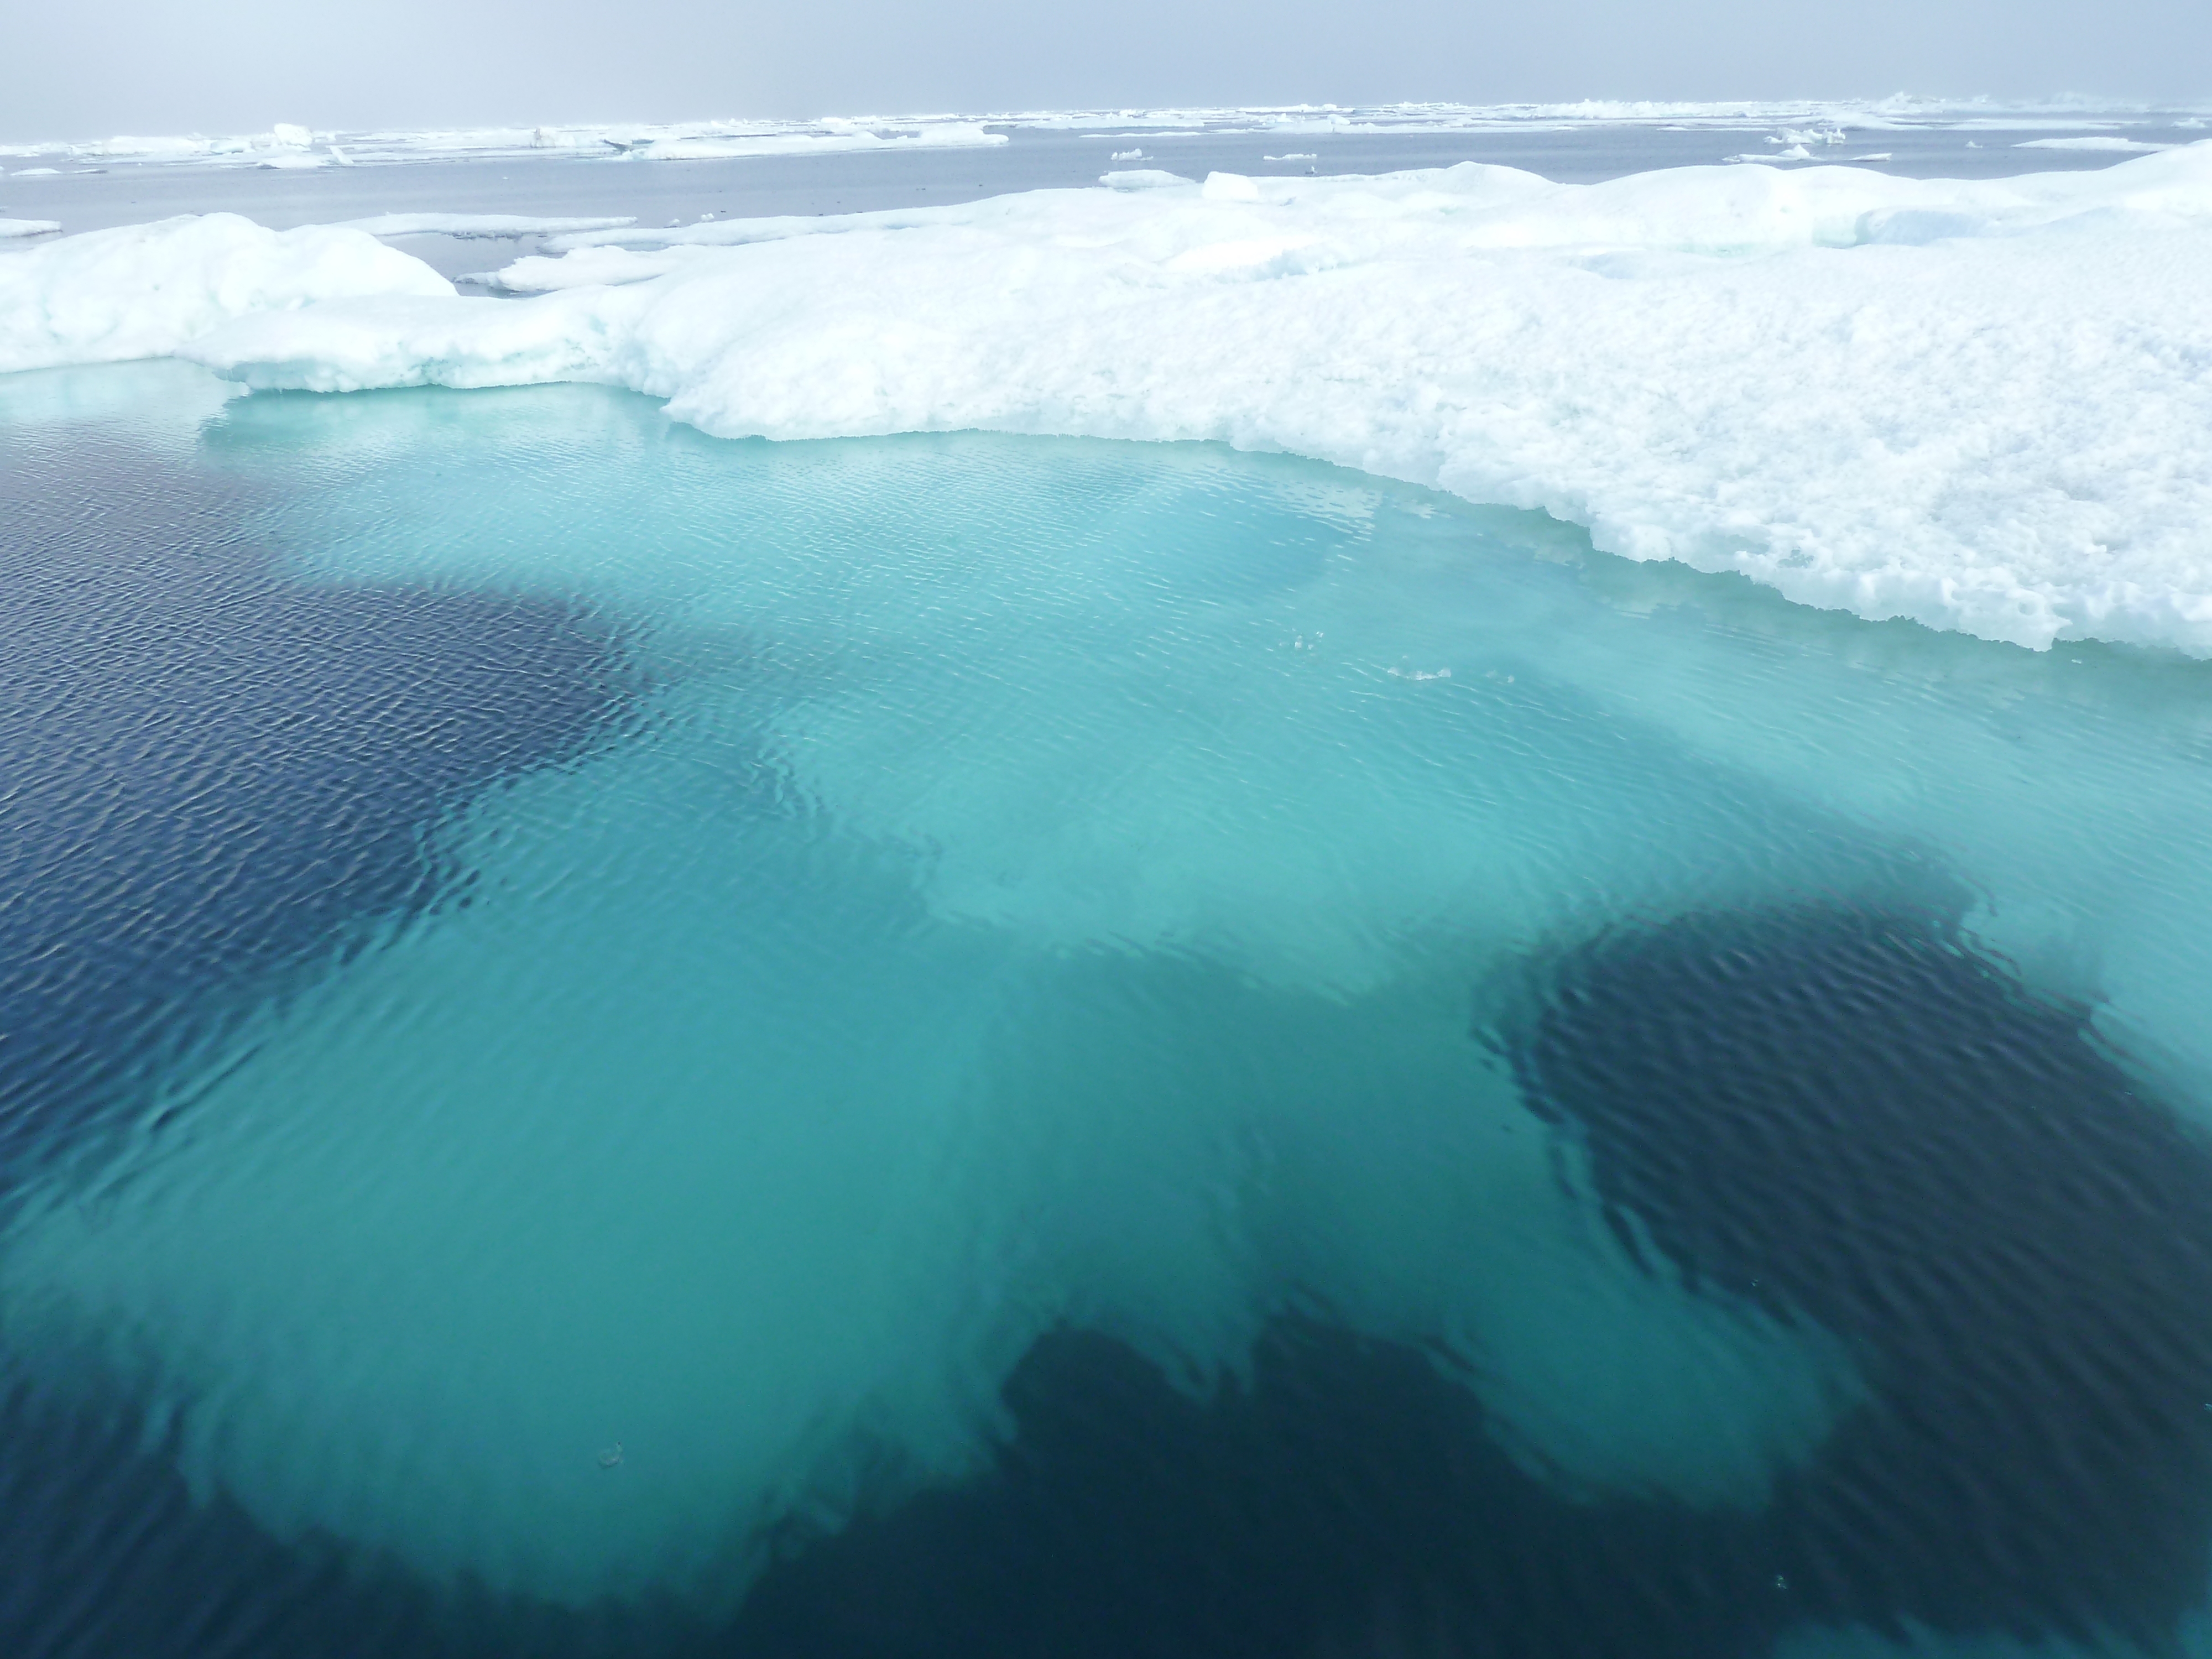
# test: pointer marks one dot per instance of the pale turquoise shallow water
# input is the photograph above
(1027, 885)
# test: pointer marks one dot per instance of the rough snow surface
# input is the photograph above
(1986, 405)
(147, 291)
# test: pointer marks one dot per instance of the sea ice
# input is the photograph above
(490, 226)
(1973, 404)
(144, 290)
(1142, 179)
(2094, 141)
(951, 136)
(1980, 404)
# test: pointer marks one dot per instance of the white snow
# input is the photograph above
(1986, 406)
(147, 291)
(11, 228)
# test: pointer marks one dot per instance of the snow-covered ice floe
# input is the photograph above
(1986, 406)
(10, 229)
(2094, 141)
(146, 290)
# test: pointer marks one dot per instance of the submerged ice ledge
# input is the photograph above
(1984, 406)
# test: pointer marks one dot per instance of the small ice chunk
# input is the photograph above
(1127, 155)
(11, 228)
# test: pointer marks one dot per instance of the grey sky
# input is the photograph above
(222, 66)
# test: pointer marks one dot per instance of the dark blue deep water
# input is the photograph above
(612, 1043)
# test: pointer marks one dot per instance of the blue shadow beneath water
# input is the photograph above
(1842, 1114)
(212, 777)
(217, 779)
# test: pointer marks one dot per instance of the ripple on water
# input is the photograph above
(866, 1049)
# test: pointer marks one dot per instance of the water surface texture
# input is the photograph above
(621, 1042)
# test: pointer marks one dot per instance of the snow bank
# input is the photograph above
(146, 290)
(1986, 405)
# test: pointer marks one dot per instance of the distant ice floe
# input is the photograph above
(13, 227)
(1797, 121)
(477, 226)
(949, 134)
(289, 147)
(1980, 404)
(2090, 141)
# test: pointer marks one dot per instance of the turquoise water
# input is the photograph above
(1026, 886)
